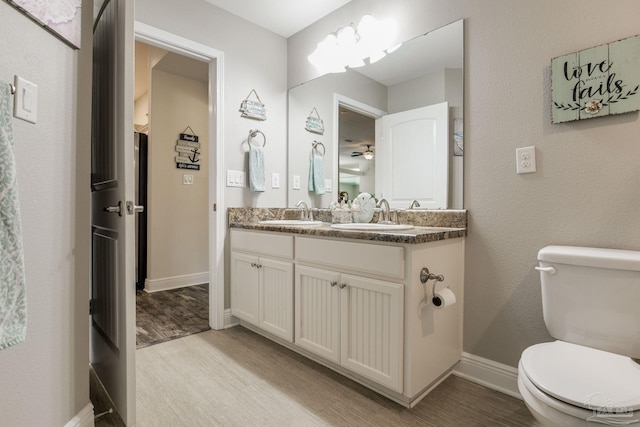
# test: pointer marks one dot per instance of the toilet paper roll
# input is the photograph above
(443, 298)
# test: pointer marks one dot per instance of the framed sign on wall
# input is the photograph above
(596, 82)
(60, 17)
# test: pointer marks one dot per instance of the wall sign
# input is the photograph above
(596, 82)
(188, 149)
(60, 17)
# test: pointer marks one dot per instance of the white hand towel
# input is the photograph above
(13, 297)
(256, 168)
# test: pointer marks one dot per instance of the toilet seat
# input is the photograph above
(584, 377)
(547, 409)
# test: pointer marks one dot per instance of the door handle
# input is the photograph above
(132, 208)
(114, 209)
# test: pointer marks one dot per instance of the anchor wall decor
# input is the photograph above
(188, 149)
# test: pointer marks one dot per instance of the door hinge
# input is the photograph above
(215, 207)
(91, 305)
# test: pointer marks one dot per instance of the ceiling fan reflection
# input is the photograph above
(367, 154)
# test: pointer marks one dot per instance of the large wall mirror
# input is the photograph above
(392, 128)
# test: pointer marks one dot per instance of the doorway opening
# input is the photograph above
(172, 244)
(354, 144)
(216, 217)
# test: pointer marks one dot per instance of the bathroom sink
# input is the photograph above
(372, 226)
(291, 222)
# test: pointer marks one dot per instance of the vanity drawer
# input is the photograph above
(362, 257)
(272, 244)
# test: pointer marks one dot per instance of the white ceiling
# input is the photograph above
(284, 17)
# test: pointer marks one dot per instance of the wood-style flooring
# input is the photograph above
(238, 378)
(167, 315)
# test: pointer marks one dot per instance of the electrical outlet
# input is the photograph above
(187, 179)
(275, 180)
(526, 160)
(296, 182)
(327, 185)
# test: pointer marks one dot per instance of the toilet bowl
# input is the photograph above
(591, 305)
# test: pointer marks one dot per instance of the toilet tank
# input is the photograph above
(591, 297)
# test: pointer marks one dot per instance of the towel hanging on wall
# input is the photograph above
(316, 169)
(13, 298)
(256, 162)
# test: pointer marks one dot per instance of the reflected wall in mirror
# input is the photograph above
(356, 141)
(426, 70)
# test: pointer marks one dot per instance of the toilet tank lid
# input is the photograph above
(591, 257)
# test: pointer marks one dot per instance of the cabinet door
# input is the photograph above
(317, 312)
(372, 329)
(244, 287)
(276, 297)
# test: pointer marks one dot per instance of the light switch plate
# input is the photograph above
(327, 185)
(25, 100)
(296, 182)
(275, 180)
(235, 178)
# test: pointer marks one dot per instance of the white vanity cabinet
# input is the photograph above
(356, 306)
(353, 321)
(262, 284)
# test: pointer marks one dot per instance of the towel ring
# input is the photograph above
(315, 147)
(253, 133)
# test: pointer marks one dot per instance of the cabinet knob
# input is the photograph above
(343, 285)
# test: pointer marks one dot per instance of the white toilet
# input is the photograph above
(591, 305)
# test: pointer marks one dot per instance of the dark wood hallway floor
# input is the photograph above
(167, 315)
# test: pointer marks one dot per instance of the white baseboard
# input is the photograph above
(229, 320)
(493, 375)
(166, 283)
(84, 418)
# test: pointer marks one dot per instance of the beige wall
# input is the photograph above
(178, 231)
(585, 191)
(45, 380)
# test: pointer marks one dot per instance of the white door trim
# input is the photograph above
(218, 219)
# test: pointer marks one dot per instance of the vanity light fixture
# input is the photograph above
(349, 46)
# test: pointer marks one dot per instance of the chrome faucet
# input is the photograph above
(306, 212)
(414, 204)
(386, 214)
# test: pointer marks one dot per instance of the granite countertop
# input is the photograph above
(429, 226)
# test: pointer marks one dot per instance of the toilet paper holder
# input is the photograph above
(425, 276)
